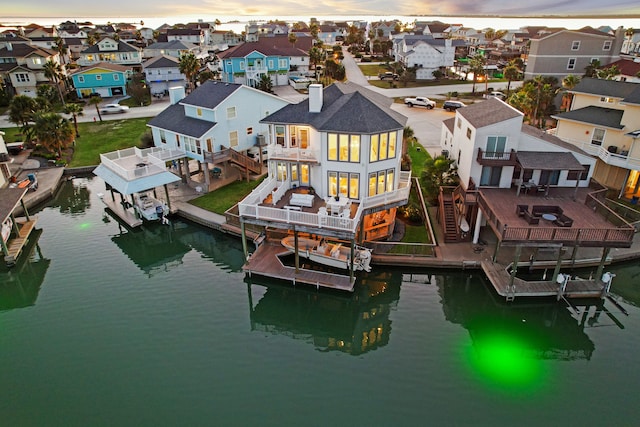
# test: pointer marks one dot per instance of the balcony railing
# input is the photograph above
(615, 159)
(496, 158)
(251, 206)
(133, 163)
(278, 152)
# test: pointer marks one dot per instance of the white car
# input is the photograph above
(113, 108)
(496, 94)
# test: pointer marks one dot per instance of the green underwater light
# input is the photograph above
(507, 360)
(84, 225)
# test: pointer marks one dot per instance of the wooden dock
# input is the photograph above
(501, 280)
(265, 261)
(17, 244)
(126, 216)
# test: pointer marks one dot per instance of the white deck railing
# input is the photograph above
(133, 163)
(276, 151)
(251, 207)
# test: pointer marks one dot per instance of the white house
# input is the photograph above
(425, 53)
(213, 118)
(345, 143)
(109, 50)
(163, 72)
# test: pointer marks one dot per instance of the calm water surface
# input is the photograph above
(102, 326)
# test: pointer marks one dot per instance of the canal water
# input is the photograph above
(103, 326)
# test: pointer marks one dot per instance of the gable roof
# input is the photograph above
(21, 50)
(173, 44)
(210, 94)
(625, 66)
(488, 112)
(271, 46)
(161, 61)
(122, 47)
(173, 119)
(602, 87)
(547, 137)
(607, 117)
(347, 108)
(105, 65)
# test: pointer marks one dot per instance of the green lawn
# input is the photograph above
(220, 200)
(373, 69)
(103, 137)
(418, 156)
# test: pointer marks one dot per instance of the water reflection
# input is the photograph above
(155, 248)
(73, 197)
(350, 323)
(20, 285)
(626, 284)
(550, 329)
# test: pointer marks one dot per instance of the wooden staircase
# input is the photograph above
(449, 221)
(245, 163)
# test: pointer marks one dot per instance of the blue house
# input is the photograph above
(104, 79)
(273, 56)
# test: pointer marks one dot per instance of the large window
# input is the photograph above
(383, 146)
(343, 147)
(491, 176)
(280, 135)
(495, 146)
(344, 184)
(231, 113)
(574, 175)
(381, 182)
(598, 136)
(575, 45)
(571, 64)
(163, 136)
(281, 171)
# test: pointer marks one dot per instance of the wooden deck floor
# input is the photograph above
(265, 262)
(15, 245)
(116, 207)
(501, 281)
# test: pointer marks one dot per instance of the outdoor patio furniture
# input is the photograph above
(521, 209)
(563, 221)
(538, 210)
(532, 220)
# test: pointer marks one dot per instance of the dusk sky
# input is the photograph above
(283, 8)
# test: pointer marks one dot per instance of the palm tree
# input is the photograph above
(53, 132)
(22, 108)
(476, 66)
(491, 35)
(189, 66)
(293, 39)
(568, 83)
(53, 71)
(75, 110)
(96, 100)
(591, 69)
(60, 47)
(408, 135)
(511, 72)
(316, 56)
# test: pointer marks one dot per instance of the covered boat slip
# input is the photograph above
(265, 261)
(10, 198)
(133, 171)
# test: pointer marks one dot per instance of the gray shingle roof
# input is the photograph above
(610, 88)
(173, 44)
(488, 112)
(162, 61)
(600, 116)
(347, 108)
(173, 119)
(548, 161)
(210, 94)
(547, 137)
(122, 47)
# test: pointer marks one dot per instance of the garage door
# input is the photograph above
(103, 92)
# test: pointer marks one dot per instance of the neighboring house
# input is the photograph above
(5, 159)
(41, 32)
(212, 119)
(224, 39)
(254, 30)
(76, 46)
(163, 72)
(147, 34)
(111, 51)
(272, 56)
(194, 36)
(104, 79)
(631, 43)
(604, 120)
(502, 162)
(425, 53)
(629, 70)
(567, 52)
(22, 67)
(345, 143)
(174, 48)
(73, 33)
(329, 33)
(382, 29)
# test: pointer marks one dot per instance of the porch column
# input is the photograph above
(207, 177)
(166, 192)
(521, 181)
(187, 173)
(476, 231)
(624, 185)
(575, 190)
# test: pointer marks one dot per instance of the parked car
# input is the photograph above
(15, 147)
(388, 76)
(254, 153)
(496, 94)
(113, 108)
(453, 105)
(420, 100)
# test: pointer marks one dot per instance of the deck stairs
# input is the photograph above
(236, 158)
(449, 222)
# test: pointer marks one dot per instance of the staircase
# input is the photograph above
(236, 158)
(449, 223)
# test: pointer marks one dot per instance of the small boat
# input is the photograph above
(6, 229)
(328, 253)
(149, 208)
